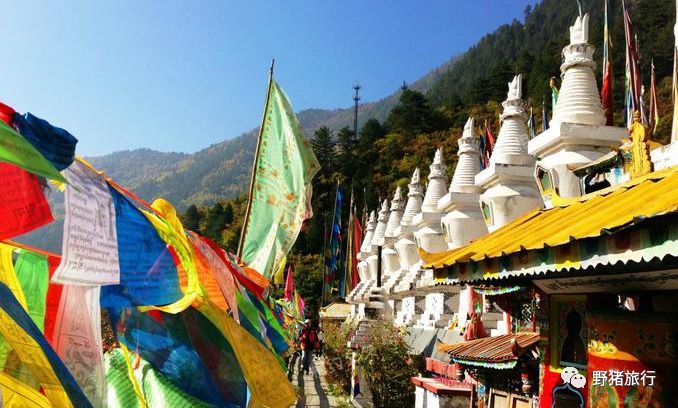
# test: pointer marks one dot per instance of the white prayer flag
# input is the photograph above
(77, 340)
(90, 242)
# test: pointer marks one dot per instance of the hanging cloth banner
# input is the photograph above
(217, 268)
(33, 276)
(77, 340)
(90, 240)
(171, 231)
(122, 392)
(17, 150)
(32, 349)
(14, 393)
(164, 343)
(6, 114)
(266, 380)
(56, 144)
(157, 390)
(23, 206)
(147, 274)
(281, 191)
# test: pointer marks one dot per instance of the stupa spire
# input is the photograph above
(415, 197)
(437, 183)
(366, 246)
(468, 164)
(380, 230)
(396, 214)
(511, 147)
(578, 99)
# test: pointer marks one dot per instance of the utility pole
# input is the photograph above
(356, 99)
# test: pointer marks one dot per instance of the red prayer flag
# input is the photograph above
(23, 206)
(489, 145)
(53, 299)
(606, 89)
(357, 240)
(289, 284)
(654, 110)
(6, 114)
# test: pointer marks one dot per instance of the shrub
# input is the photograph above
(388, 367)
(337, 356)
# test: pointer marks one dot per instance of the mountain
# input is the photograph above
(472, 83)
(223, 169)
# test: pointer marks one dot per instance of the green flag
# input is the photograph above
(19, 151)
(281, 186)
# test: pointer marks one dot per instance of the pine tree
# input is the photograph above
(192, 218)
(323, 147)
(346, 154)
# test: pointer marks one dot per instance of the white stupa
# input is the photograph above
(463, 220)
(578, 134)
(429, 236)
(389, 256)
(407, 252)
(508, 181)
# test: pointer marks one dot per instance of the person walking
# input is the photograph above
(306, 343)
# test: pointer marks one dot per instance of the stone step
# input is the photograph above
(492, 317)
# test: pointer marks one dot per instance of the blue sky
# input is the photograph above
(181, 75)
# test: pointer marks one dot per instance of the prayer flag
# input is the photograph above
(633, 82)
(489, 145)
(265, 378)
(23, 206)
(172, 345)
(147, 273)
(279, 277)
(281, 186)
(220, 271)
(532, 125)
(654, 110)
(357, 240)
(77, 340)
(23, 335)
(56, 144)
(14, 393)
(674, 126)
(32, 274)
(606, 89)
(544, 117)
(289, 284)
(90, 240)
(6, 114)
(333, 257)
(17, 150)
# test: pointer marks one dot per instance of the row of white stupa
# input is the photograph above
(478, 202)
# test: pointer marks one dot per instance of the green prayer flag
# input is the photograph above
(281, 194)
(32, 272)
(19, 151)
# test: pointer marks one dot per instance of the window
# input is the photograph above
(487, 212)
(544, 179)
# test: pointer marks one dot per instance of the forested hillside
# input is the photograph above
(385, 152)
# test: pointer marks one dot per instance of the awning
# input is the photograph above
(603, 212)
(493, 352)
(439, 388)
(335, 311)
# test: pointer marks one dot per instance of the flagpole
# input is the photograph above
(349, 249)
(334, 214)
(241, 243)
(323, 260)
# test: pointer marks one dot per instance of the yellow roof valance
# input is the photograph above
(572, 219)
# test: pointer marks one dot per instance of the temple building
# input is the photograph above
(546, 277)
